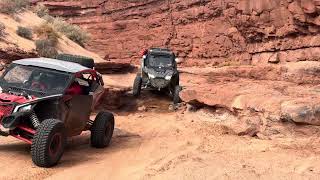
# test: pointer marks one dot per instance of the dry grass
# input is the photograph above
(73, 32)
(48, 40)
(47, 31)
(2, 29)
(13, 7)
(41, 10)
(46, 48)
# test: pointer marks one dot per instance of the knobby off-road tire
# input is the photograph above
(48, 143)
(102, 130)
(137, 86)
(176, 94)
(82, 60)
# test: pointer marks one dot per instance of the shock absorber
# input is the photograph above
(34, 120)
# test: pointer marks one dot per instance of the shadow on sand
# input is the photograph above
(78, 149)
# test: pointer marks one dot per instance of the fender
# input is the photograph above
(14, 119)
(57, 96)
(11, 122)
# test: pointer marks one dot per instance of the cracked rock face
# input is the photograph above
(202, 32)
(277, 42)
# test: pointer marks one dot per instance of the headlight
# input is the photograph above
(25, 108)
(151, 76)
(168, 77)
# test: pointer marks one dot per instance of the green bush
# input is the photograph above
(46, 48)
(24, 32)
(13, 6)
(73, 32)
(41, 10)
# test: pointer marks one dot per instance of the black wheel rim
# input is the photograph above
(55, 144)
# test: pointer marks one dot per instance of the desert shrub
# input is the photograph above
(46, 48)
(73, 32)
(41, 10)
(24, 32)
(47, 31)
(13, 6)
(48, 18)
(48, 40)
(2, 29)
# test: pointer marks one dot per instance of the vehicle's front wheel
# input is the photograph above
(176, 95)
(137, 86)
(48, 143)
(102, 130)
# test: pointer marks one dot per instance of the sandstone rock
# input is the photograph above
(264, 58)
(8, 55)
(191, 108)
(113, 98)
(111, 67)
(202, 33)
(258, 90)
(142, 108)
(306, 112)
(317, 21)
(274, 58)
(309, 54)
(248, 126)
(308, 6)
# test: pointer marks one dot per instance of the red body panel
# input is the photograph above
(7, 99)
(10, 98)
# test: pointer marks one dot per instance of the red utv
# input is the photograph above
(45, 101)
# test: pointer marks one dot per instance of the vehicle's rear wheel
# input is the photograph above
(102, 130)
(176, 94)
(137, 86)
(48, 143)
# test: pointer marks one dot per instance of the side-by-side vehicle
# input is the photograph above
(45, 101)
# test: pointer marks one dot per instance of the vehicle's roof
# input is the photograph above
(160, 51)
(54, 64)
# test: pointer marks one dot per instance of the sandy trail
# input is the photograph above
(161, 144)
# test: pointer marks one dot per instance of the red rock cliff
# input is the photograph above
(200, 31)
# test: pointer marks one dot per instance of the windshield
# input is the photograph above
(28, 78)
(160, 60)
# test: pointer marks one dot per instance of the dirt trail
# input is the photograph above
(156, 143)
